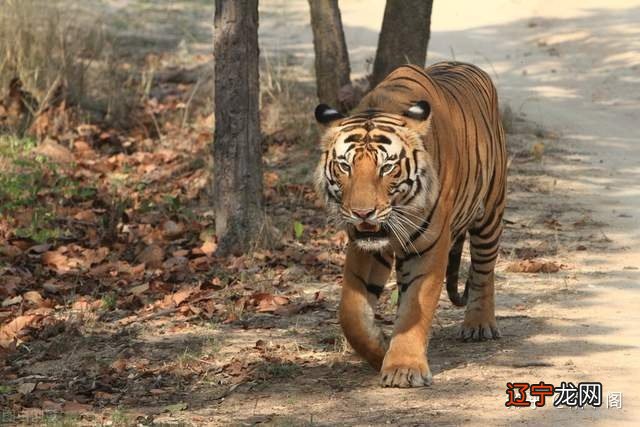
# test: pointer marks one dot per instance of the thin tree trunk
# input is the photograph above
(404, 37)
(237, 154)
(332, 58)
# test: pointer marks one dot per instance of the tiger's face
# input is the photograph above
(375, 174)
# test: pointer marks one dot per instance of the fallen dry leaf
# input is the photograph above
(86, 215)
(83, 304)
(12, 301)
(92, 257)
(271, 179)
(9, 285)
(176, 263)
(200, 263)
(172, 230)
(119, 365)
(152, 256)
(140, 289)
(180, 296)
(10, 251)
(180, 253)
(209, 247)
(12, 330)
(45, 386)
(527, 252)
(531, 266)
(55, 287)
(42, 311)
(38, 249)
(26, 388)
(265, 302)
(33, 297)
(340, 238)
(194, 309)
(58, 261)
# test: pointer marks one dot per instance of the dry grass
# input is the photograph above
(287, 101)
(39, 45)
(62, 53)
(82, 53)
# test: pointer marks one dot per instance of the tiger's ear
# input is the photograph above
(421, 111)
(420, 115)
(325, 115)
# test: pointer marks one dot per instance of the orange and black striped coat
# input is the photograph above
(419, 164)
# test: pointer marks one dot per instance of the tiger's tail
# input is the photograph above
(453, 269)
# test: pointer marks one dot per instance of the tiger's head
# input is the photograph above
(375, 174)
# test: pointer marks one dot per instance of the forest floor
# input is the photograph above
(116, 311)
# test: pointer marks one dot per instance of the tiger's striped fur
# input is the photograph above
(420, 164)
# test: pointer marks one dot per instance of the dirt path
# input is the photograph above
(574, 72)
(575, 76)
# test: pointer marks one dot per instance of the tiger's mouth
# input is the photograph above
(372, 240)
(367, 227)
(371, 233)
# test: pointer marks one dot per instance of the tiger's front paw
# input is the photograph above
(405, 372)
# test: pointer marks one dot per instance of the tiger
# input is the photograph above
(417, 166)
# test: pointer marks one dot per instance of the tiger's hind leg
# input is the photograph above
(480, 320)
(453, 270)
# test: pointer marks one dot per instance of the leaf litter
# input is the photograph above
(127, 245)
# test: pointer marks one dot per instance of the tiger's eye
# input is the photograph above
(344, 166)
(385, 169)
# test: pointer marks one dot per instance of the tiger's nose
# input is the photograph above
(364, 213)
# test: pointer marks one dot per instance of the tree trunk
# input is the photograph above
(404, 37)
(237, 154)
(332, 58)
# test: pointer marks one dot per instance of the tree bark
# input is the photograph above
(237, 154)
(332, 58)
(406, 28)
